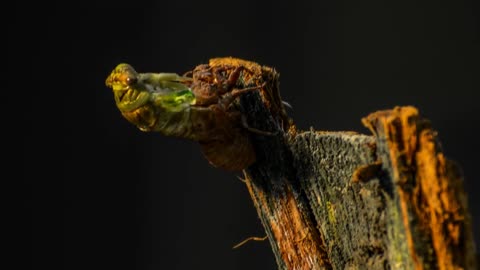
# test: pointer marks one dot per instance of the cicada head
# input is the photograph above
(129, 94)
(122, 78)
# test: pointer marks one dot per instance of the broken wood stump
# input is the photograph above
(343, 200)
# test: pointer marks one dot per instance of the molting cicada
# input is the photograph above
(201, 106)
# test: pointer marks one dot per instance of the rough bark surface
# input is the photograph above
(343, 200)
(352, 201)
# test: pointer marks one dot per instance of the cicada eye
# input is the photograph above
(131, 80)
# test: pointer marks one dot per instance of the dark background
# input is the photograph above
(100, 194)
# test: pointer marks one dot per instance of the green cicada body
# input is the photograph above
(201, 108)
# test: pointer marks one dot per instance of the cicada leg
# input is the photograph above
(233, 78)
(229, 97)
(225, 84)
(188, 74)
(255, 130)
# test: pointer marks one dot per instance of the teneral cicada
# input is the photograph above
(201, 106)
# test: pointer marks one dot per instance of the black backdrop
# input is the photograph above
(100, 194)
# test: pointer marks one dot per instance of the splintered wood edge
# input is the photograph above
(431, 196)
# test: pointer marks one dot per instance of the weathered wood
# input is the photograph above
(427, 188)
(350, 215)
(343, 200)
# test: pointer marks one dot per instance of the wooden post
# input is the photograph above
(342, 200)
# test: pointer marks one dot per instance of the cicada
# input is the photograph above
(201, 105)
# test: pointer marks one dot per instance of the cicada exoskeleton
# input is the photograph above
(202, 107)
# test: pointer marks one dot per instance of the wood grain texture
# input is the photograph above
(350, 215)
(343, 200)
(429, 190)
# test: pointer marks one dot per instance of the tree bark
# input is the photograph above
(343, 200)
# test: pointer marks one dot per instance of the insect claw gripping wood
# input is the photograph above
(229, 97)
(221, 85)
